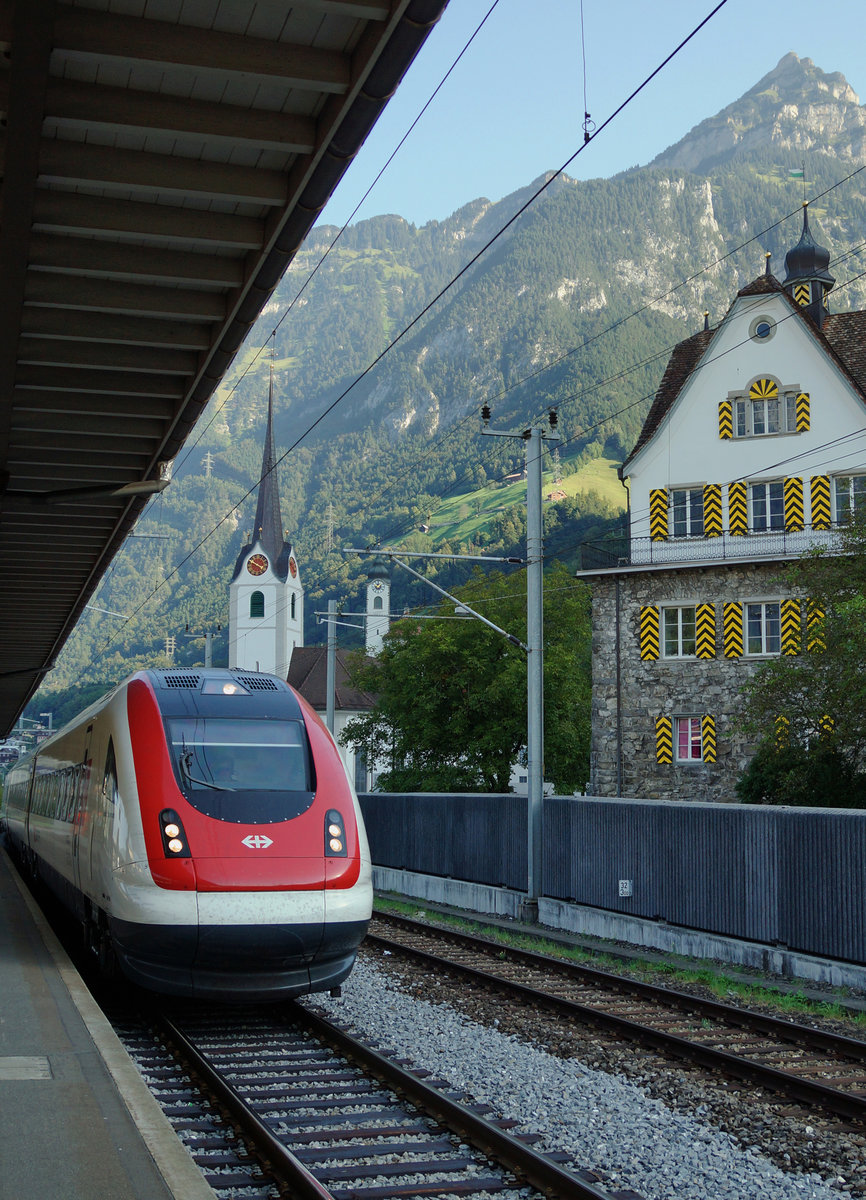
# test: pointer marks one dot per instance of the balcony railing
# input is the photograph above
(772, 543)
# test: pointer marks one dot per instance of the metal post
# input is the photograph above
(535, 664)
(331, 665)
(208, 649)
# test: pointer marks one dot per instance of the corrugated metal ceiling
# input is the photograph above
(162, 161)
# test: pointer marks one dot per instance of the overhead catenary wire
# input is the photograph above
(443, 291)
(492, 399)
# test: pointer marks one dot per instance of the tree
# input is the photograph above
(450, 713)
(808, 711)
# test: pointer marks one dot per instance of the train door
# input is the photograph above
(102, 826)
(80, 820)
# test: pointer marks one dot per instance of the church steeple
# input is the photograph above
(266, 598)
(808, 279)
(268, 527)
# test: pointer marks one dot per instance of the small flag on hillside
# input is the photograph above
(799, 173)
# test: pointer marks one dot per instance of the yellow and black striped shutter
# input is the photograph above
(820, 495)
(793, 503)
(649, 631)
(732, 626)
(713, 510)
(802, 294)
(726, 419)
(659, 514)
(664, 740)
(791, 631)
(763, 389)
(708, 739)
(705, 631)
(815, 642)
(826, 725)
(783, 732)
(738, 509)
(803, 412)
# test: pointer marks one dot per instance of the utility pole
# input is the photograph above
(331, 665)
(208, 643)
(533, 439)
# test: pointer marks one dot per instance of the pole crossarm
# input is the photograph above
(515, 641)
(453, 557)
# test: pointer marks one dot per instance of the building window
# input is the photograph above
(688, 739)
(257, 604)
(679, 632)
(763, 628)
(767, 505)
(687, 512)
(293, 606)
(850, 493)
(766, 415)
(377, 603)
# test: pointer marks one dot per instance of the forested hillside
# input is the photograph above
(577, 306)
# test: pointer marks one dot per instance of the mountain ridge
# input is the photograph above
(576, 307)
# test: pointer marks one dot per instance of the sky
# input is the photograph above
(513, 107)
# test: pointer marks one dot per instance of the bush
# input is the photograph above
(818, 778)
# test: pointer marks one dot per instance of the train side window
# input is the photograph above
(109, 779)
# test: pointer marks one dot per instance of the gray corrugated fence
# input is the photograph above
(785, 876)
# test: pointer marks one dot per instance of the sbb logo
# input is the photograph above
(257, 841)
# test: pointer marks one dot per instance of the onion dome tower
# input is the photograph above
(808, 279)
(266, 600)
(377, 621)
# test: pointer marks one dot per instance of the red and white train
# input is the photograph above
(201, 826)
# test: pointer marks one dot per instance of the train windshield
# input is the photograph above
(243, 770)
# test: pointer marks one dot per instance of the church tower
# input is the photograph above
(266, 600)
(377, 620)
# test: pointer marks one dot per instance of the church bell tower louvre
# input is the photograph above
(266, 599)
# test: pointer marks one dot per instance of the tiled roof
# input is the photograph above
(846, 333)
(308, 674)
(843, 338)
(681, 363)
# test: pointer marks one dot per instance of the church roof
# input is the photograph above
(308, 674)
(843, 338)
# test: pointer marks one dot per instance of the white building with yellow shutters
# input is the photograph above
(754, 450)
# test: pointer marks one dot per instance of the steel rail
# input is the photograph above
(277, 1156)
(535, 1168)
(850, 1105)
(729, 1013)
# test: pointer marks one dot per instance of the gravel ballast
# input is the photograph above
(604, 1122)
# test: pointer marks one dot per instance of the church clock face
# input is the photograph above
(257, 565)
(378, 586)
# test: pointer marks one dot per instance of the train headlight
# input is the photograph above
(174, 839)
(335, 835)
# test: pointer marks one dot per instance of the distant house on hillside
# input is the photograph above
(748, 457)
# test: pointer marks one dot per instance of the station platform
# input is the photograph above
(77, 1121)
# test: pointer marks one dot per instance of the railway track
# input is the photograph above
(811, 1066)
(292, 1105)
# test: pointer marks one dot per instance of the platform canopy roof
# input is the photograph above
(162, 161)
